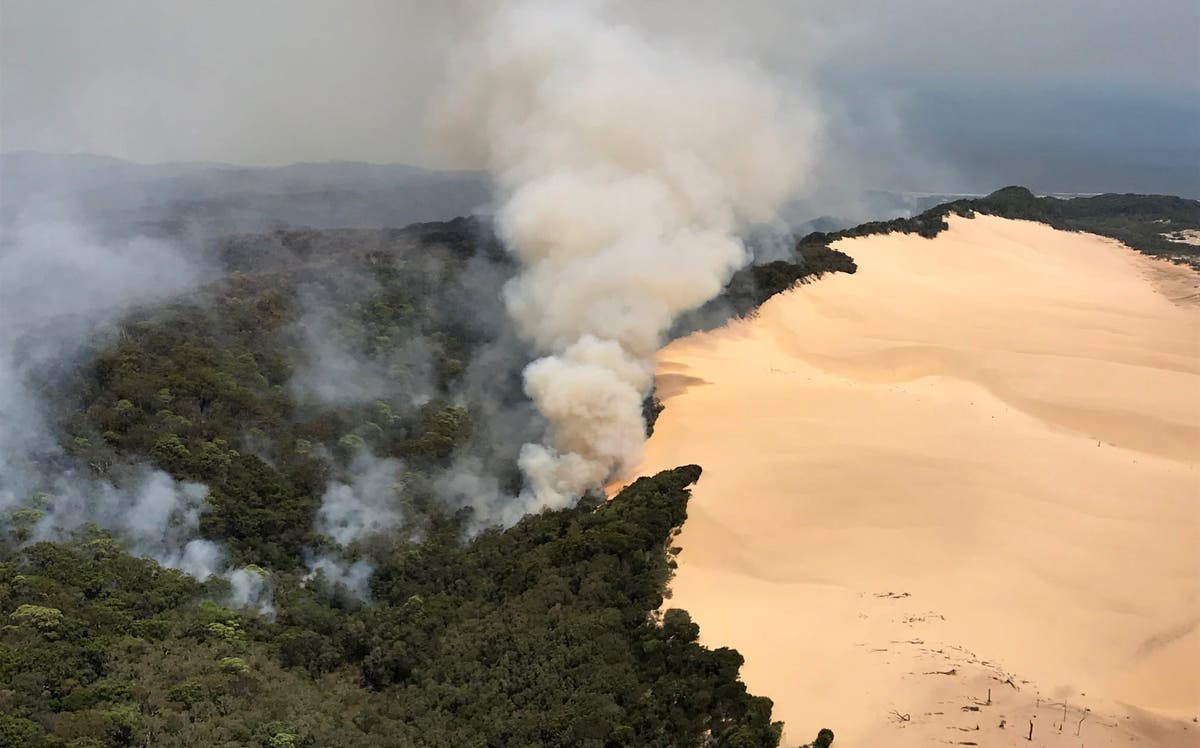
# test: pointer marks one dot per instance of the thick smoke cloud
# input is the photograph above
(624, 170)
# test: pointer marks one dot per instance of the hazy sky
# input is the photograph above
(277, 81)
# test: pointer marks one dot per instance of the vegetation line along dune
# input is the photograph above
(956, 491)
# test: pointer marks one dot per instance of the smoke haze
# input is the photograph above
(1104, 90)
(62, 291)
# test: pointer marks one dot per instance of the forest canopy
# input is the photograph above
(314, 373)
(544, 634)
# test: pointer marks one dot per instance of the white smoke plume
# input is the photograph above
(354, 577)
(155, 517)
(624, 168)
(367, 505)
(250, 589)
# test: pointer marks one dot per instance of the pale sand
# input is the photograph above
(977, 456)
(1184, 236)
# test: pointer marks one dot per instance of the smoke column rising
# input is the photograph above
(624, 168)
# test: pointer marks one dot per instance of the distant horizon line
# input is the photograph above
(231, 166)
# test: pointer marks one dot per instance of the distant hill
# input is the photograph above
(118, 196)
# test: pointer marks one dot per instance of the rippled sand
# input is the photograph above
(973, 465)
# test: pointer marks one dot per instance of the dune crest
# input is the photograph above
(973, 465)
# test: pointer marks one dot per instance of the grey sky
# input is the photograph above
(278, 81)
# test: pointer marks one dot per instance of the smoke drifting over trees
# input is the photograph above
(345, 386)
(62, 291)
(310, 394)
(58, 288)
(624, 172)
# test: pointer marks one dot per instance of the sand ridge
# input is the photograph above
(973, 465)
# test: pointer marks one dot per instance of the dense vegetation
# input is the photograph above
(203, 387)
(752, 285)
(545, 634)
(1140, 221)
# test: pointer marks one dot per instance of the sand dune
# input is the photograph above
(973, 465)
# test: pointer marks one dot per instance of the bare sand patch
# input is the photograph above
(973, 465)
(1184, 236)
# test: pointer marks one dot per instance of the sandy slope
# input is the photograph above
(973, 465)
